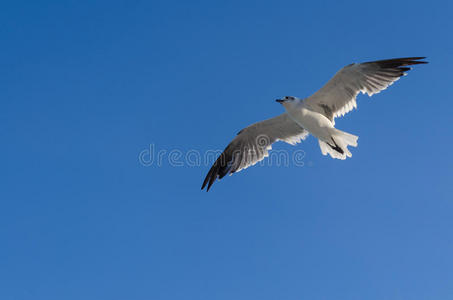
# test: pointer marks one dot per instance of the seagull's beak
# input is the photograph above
(280, 101)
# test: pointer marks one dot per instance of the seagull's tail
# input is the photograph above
(337, 146)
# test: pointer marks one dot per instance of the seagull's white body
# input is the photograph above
(315, 115)
(315, 123)
(320, 127)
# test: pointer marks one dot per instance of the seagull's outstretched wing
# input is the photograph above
(338, 96)
(251, 145)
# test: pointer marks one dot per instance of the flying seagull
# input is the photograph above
(313, 115)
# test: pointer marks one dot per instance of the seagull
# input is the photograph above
(314, 115)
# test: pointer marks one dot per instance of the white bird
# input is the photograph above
(315, 115)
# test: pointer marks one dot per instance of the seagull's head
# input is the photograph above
(288, 100)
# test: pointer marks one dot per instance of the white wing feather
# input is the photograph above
(252, 144)
(338, 96)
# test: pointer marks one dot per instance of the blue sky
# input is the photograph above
(87, 86)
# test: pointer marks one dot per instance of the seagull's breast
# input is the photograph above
(316, 123)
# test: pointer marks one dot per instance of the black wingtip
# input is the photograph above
(212, 180)
(415, 60)
(211, 176)
(220, 168)
(207, 179)
(398, 66)
(204, 182)
(412, 58)
(398, 62)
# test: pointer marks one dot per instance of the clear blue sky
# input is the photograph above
(86, 86)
